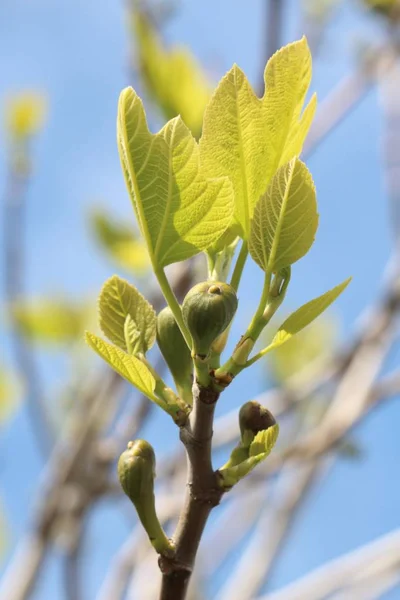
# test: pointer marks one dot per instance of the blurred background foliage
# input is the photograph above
(173, 81)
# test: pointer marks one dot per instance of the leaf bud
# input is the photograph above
(207, 311)
(254, 418)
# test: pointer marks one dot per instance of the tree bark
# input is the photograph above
(202, 494)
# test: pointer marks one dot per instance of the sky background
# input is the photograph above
(77, 54)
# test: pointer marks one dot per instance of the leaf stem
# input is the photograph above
(239, 266)
(272, 297)
(172, 303)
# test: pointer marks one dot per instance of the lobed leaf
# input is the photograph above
(305, 315)
(285, 219)
(180, 212)
(126, 365)
(247, 138)
(126, 318)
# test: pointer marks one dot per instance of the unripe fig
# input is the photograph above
(254, 418)
(175, 351)
(136, 471)
(207, 310)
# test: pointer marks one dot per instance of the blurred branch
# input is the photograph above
(346, 96)
(79, 467)
(14, 272)
(365, 565)
(273, 32)
(73, 563)
(301, 461)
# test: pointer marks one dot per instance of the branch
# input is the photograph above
(202, 494)
(346, 96)
(367, 563)
(273, 31)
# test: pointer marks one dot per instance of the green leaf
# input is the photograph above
(120, 243)
(172, 76)
(285, 218)
(126, 317)
(247, 138)
(180, 212)
(287, 78)
(126, 365)
(305, 315)
(259, 449)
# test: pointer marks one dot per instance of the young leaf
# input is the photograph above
(126, 317)
(247, 138)
(285, 218)
(287, 79)
(304, 315)
(258, 451)
(127, 365)
(120, 243)
(179, 211)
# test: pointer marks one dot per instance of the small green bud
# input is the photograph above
(254, 418)
(259, 432)
(207, 311)
(136, 472)
(176, 353)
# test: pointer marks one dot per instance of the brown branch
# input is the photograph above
(202, 494)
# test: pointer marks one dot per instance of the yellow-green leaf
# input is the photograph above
(240, 466)
(179, 211)
(247, 138)
(51, 320)
(287, 79)
(126, 317)
(126, 365)
(172, 76)
(285, 219)
(304, 315)
(315, 342)
(120, 243)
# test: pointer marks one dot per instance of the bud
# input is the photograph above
(254, 418)
(207, 311)
(259, 432)
(136, 472)
(176, 353)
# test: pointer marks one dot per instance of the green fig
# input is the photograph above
(207, 311)
(136, 472)
(176, 353)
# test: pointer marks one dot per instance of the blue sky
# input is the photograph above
(77, 53)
